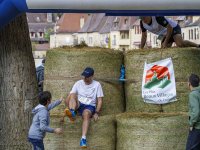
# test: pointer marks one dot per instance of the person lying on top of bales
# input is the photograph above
(41, 121)
(85, 98)
(168, 31)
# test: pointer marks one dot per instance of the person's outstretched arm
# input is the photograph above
(54, 104)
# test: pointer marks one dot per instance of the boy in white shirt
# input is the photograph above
(85, 97)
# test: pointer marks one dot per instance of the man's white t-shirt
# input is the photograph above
(87, 94)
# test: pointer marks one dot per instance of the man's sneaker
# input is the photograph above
(83, 143)
(70, 114)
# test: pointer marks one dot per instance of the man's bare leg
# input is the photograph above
(72, 104)
(86, 121)
(183, 43)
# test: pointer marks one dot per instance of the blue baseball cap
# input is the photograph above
(88, 72)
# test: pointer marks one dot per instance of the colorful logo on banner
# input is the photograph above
(158, 84)
(157, 76)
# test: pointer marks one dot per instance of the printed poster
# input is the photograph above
(158, 85)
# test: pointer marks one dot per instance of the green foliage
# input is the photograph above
(48, 33)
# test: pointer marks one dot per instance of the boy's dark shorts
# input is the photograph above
(176, 30)
(82, 107)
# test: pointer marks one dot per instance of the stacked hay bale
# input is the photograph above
(62, 69)
(136, 130)
(101, 135)
(151, 131)
(185, 62)
(161, 131)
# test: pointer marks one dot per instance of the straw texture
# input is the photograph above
(185, 62)
(140, 131)
(101, 135)
(64, 67)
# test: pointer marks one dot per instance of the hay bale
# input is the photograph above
(64, 66)
(185, 61)
(101, 135)
(140, 131)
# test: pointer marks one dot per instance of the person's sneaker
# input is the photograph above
(70, 114)
(83, 143)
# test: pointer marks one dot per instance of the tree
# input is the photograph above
(18, 86)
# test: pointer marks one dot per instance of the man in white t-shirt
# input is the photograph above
(85, 98)
(168, 31)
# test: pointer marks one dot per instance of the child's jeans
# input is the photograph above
(37, 144)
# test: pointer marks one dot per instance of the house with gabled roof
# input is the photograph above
(66, 29)
(40, 25)
(82, 33)
(105, 31)
(120, 32)
(191, 31)
(90, 31)
(96, 24)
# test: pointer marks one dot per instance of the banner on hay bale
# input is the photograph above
(158, 85)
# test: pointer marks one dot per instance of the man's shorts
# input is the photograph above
(82, 107)
(176, 30)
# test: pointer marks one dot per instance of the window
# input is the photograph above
(124, 35)
(126, 21)
(183, 35)
(115, 24)
(32, 34)
(138, 30)
(116, 21)
(192, 34)
(155, 39)
(195, 34)
(41, 34)
(114, 40)
(189, 34)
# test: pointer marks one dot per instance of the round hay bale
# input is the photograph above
(101, 135)
(64, 67)
(185, 62)
(151, 131)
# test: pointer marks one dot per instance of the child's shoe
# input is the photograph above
(83, 143)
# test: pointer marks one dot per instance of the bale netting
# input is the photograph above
(64, 67)
(185, 62)
(151, 131)
(101, 135)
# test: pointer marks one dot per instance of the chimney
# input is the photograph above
(82, 21)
